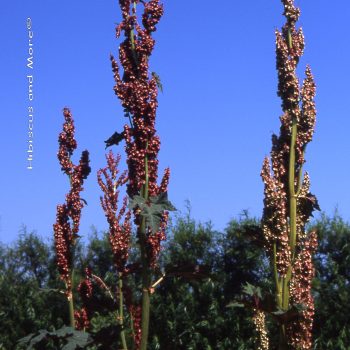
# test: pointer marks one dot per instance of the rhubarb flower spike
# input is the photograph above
(119, 232)
(288, 203)
(68, 214)
(137, 88)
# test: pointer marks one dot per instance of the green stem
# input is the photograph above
(292, 229)
(121, 312)
(300, 180)
(294, 189)
(142, 234)
(292, 194)
(71, 302)
(146, 281)
(71, 311)
(146, 301)
(277, 279)
(132, 39)
(146, 273)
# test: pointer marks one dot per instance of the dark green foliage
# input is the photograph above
(204, 271)
(195, 312)
(101, 337)
(332, 284)
(152, 209)
(65, 338)
(27, 277)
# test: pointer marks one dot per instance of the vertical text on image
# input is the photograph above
(30, 91)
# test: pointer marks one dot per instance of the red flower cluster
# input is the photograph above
(138, 91)
(63, 242)
(85, 289)
(154, 240)
(135, 312)
(82, 320)
(68, 215)
(300, 330)
(119, 233)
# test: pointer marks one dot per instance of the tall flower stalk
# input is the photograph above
(288, 203)
(119, 232)
(137, 89)
(68, 215)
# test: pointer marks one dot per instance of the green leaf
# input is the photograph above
(152, 209)
(137, 201)
(162, 201)
(64, 331)
(73, 339)
(77, 340)
(251, 290)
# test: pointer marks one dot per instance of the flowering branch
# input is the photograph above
(138, 90)
(68, 215)
(119, 233)
(288, 203)
(85, 289)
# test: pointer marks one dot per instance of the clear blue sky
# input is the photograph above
(215, 118)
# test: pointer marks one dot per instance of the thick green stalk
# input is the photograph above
(292, 230)
(277, 279)
(71, 302)
(71, 311)
(292, 202)
(121, 312)
(279, 298)
(146, 301)
(146, 281)
(146, 273)
(292, 194)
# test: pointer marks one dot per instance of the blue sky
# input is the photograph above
(215, 118)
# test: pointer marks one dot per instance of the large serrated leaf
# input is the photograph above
(137, 201)
(63, 332)
(163, 201)
(152, 209)
(32, 339)
(73, 339)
